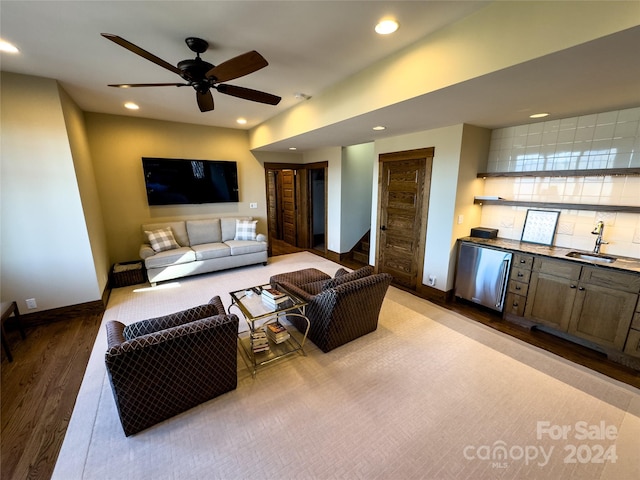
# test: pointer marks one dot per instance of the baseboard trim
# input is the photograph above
(430, 293)
(96, 307)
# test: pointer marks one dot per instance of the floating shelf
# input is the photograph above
(601, 172)
(561, 206)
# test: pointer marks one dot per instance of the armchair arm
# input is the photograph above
(115, 333)
(169, 335)
(297, 291)
(145, 327)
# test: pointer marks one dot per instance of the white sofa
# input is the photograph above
(200, 246)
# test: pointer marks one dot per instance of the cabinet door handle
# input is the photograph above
(572, 286)
(523, 261)
(518, 288)
(520, 274)
(580, 288)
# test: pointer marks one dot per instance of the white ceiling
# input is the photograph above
(310, 45)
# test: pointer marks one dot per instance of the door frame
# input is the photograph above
(427, 154)
(304, 203)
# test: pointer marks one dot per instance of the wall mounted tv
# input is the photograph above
(172, 181)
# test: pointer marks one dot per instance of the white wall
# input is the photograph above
(357, 172)
(45, 249)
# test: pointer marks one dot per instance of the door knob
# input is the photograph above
(383, 228)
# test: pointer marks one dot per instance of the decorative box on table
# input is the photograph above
(127, 273)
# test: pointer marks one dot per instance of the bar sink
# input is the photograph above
(591, 257)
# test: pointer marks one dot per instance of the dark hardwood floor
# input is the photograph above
(40, 386)
(39, 390)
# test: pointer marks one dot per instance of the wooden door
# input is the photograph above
(403, 192)
(289, 230)
(273, 209)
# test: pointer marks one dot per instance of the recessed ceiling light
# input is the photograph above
(292, 148)
(539, 115)
(242, 121)
(7, 47)
(131, 106)
(385, 27)
(379, 127)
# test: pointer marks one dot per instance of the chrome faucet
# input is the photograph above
(599, 230)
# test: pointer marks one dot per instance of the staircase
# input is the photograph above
(359, 254)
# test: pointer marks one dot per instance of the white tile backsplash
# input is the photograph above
(597, 141)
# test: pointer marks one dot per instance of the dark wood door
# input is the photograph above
(273, 209)
(289, 225)
(404, 183)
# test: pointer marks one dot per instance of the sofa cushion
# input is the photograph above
(162, 239)
(241, 247)
(179, 230)
(171, 257)
(342, 277)
(204, 231)
(206, 251)
(245, 230)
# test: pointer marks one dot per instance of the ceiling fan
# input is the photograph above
(203, 76)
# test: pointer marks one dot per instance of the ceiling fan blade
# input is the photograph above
(248, 94)
(205, 100)
(131, 85)
(139, 51)
(237, 67)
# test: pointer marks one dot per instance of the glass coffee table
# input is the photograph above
(270, 335)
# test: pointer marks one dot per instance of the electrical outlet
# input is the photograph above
(432, 280)
(253, 205)
(31, 303)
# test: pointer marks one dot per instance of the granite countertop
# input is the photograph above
(626, 264)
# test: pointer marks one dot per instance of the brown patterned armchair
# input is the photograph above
(340, 309)
(163, 366)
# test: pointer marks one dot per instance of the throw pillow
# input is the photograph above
(245, 230)
(161, 240)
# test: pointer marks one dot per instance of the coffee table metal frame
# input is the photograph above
(259, 314)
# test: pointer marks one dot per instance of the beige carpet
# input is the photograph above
(429, 395)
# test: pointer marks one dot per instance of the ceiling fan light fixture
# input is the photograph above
(386, 26)
(131, 106)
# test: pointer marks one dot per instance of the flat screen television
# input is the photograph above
(172, 181)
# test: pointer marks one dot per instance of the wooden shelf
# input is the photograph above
(561, 206)
(601, 172)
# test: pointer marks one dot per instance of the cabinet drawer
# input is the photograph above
(515, 304)
(518, 288)
(557, 268)
(520, 275)
(522, 261)
(632, 346)
(605, 277)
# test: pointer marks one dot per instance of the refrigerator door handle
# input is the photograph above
(504, 270)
